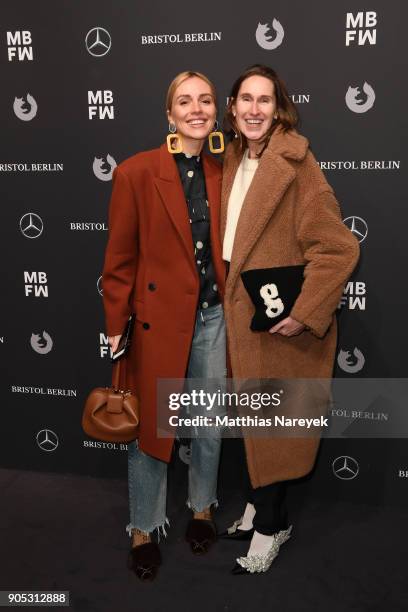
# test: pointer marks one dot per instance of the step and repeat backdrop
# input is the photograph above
(83, 87)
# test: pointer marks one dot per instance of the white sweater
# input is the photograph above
(242, 181)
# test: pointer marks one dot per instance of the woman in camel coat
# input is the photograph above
(288, 215)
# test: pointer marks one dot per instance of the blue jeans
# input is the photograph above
(147, 476)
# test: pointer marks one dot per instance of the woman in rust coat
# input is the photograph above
(163, 262)
(277, 210)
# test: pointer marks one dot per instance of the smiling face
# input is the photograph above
(193, 111)
(255, 108)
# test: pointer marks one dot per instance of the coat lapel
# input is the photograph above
(212, 173)
(213, 187)
(172, 195)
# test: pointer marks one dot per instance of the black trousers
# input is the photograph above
(270, 505)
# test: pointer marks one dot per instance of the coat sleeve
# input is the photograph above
(119, 268)
(331, 253)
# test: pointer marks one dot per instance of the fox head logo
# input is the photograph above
(102, 169)
(21, 111)
(41, 343)
(355, 103)
(264, 39)
(348, 364)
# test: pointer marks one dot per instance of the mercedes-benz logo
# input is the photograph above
(99, 286)
(357, 226)
(47, 440)
(345, 467)
(31, 225)
(98, 42)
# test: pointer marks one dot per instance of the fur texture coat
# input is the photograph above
(290, 216)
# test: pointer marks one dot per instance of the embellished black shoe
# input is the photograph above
(234, 533)
(201, 534)
(238, 569)
(258, 563)
(145, 560)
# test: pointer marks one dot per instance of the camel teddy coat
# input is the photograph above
(150, 270)
(290, 216)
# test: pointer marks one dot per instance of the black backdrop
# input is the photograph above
(52, 333)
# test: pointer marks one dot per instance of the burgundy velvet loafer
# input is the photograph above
(145, 560)
(201, 534)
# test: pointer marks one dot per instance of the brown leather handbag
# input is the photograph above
(111, 414)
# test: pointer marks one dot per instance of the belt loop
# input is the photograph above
(202, 317)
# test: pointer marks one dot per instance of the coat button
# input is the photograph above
(146, 326)
(151, 287)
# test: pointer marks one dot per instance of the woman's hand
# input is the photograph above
(288, 327)
(114, 342)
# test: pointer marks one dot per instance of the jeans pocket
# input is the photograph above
(213, 313)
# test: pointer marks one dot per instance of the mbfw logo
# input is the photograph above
(103, 167)
(25, 110)
(99, 286)
(403, 473)
(41, 343)
(355, 103)
(357, 226)
(20, 46)
(266, 38)
(101, 104)
(47, 440)
(350, 364)
(36, 284)
(345, 468)
(361, 28)
(105, 349)
(31, 225)
(98, 42)
(354, 296)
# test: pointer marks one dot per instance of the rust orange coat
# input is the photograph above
(150, 269)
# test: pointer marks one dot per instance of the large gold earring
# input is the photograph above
(216, 134)
(172, 138)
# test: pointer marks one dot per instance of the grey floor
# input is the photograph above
(67, 532)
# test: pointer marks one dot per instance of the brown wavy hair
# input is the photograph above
(288, 117)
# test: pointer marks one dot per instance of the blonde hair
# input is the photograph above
(180, 78)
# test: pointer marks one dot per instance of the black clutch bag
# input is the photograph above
(273, 292)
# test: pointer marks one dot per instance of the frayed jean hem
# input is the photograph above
(160, 529)
(201, 507)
